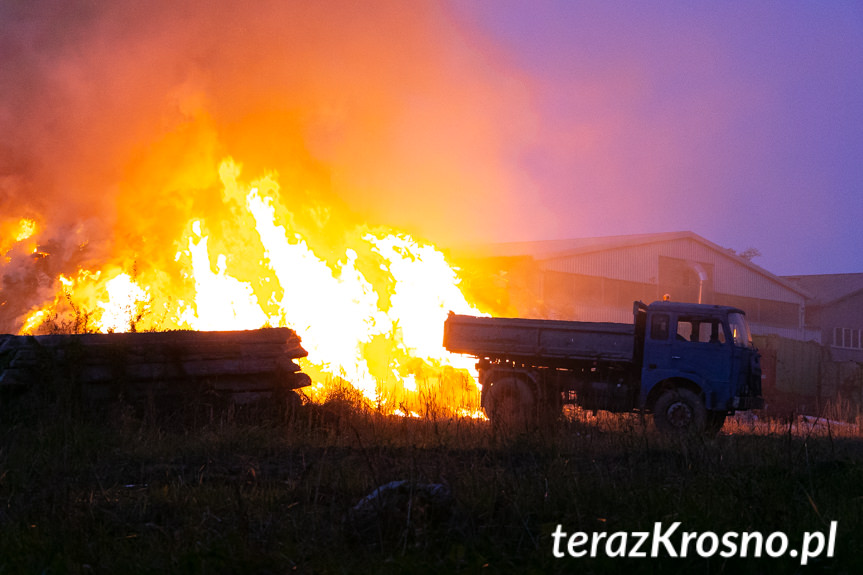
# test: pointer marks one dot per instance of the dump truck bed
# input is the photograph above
(537, 341)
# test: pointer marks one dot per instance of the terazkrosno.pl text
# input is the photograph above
(667, 541)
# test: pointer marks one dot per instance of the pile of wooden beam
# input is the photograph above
(157, 363)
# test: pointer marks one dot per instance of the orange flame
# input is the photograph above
(12, 233)
(26, 228)
(370, 312)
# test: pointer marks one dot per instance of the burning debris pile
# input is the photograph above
(237, 364)
(368, 303)
(122, 204)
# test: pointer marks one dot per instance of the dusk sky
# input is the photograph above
(460, 122)
(740, 121)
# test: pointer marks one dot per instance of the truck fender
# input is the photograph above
(652, 393)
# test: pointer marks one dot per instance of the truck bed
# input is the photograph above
(537, 341)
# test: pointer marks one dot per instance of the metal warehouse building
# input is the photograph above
(836, 311)
(597, 279)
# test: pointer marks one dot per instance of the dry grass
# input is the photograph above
(201, 487)
(269, 489)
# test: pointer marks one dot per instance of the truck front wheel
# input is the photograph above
(509, 402)
(679, 411)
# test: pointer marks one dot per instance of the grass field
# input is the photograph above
(267, 489)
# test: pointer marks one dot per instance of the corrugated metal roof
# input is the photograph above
(827, 288)
(544, 249)
(555, 253)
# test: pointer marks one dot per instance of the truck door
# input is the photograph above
(700, 347)
(657, 350)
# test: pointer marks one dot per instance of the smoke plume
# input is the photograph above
(114, 117)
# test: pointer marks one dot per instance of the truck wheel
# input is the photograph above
(509, 402)
(679, 411)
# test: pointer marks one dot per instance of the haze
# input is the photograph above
(459, 122)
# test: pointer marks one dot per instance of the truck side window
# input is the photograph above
(659, 326)
(711, 331)
(684, 330)
(700, 330)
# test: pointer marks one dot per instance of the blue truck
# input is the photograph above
(690, 365)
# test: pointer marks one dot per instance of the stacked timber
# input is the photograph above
(157, 363)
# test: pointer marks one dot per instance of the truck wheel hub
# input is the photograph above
(679, 414)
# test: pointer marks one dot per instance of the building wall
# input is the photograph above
(589, 298)
(641, 263)
(841, 325)
(601, 286)
(767, 313)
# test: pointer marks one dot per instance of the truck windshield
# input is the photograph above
(740, 330)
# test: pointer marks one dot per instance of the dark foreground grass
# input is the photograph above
(264, 489)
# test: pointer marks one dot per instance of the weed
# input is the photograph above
(115, 490)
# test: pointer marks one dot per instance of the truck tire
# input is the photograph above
(679, 411)
(510, 403)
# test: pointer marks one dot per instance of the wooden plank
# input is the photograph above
(226, 387)
(11, 377)
(160, 362)
(110, 354)
(266, 335)
(153, 377)
(155, 371)
(7, 341)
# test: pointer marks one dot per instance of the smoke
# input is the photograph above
(114, 117)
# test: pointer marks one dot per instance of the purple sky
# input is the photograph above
(742, 122)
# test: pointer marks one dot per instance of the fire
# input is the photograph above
(15, 232)
(26, 228)
(223, 302)
(33, 321)
(126, 302)
(369, 304)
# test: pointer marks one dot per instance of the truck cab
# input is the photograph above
(704, 350)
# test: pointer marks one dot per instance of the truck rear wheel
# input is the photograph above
(679, 411)
(510, 402)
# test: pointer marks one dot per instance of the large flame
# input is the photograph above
(370, 310)
(15, 232)
(113, 135)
